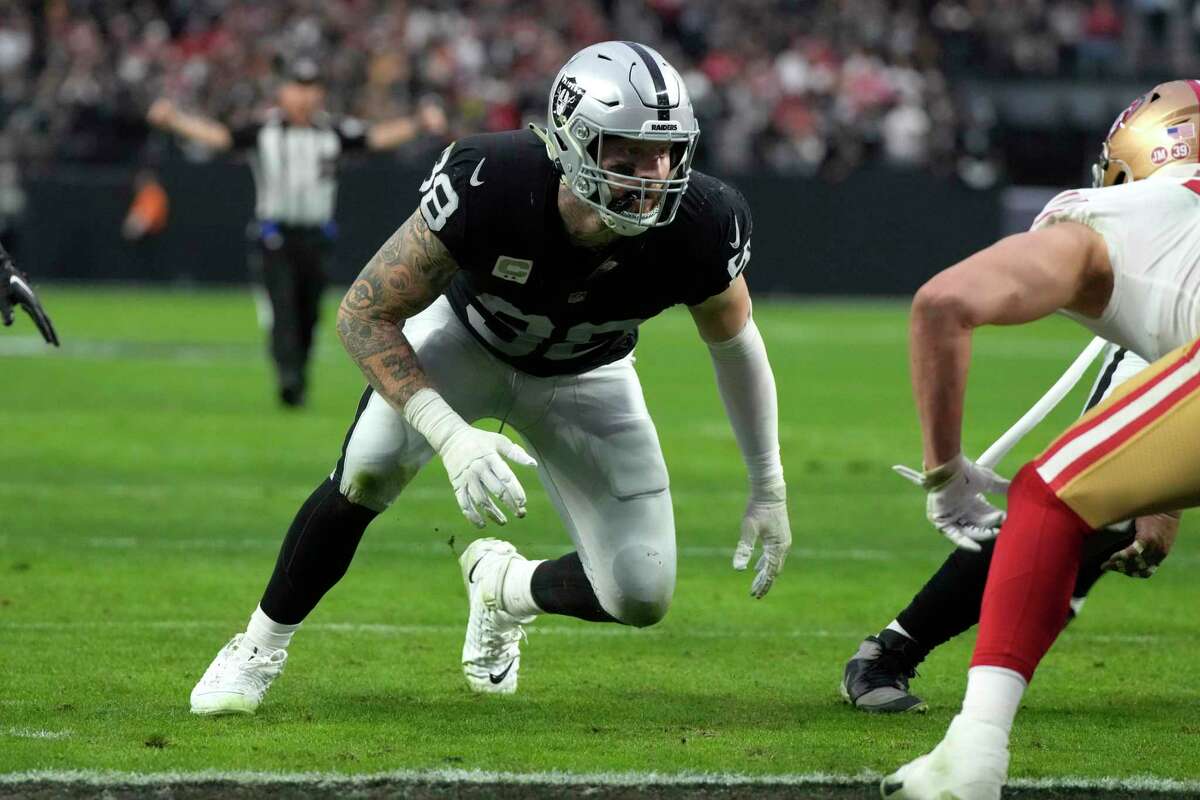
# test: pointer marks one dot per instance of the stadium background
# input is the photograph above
(147, 474)
(839, 114)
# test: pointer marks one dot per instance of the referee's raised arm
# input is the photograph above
(293, 150)
(166, 115)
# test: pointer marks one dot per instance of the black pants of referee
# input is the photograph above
(293, 273)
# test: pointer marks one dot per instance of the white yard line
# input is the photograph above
(32, 733)
(436, 547)
(382, 543)
(547, 629)
(385, 629)
(1139, 784)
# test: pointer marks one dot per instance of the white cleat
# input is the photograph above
(491, 653)
(236, 680)
(970, 763)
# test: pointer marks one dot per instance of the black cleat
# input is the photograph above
(876, 678)
(292, 396)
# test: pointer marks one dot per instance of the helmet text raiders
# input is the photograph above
(623, 90)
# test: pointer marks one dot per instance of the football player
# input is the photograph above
(16, 291)
(876, 678)
(515, 291)
(1121, 260)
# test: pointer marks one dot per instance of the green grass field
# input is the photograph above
(148, 478)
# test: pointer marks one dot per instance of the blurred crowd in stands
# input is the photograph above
(797, 86)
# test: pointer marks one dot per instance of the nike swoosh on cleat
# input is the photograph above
(475, 175)
(891, 788)
(737, 233)
(502, 675)
(471, 574)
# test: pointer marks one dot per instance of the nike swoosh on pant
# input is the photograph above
(471, 574)
(502, 675)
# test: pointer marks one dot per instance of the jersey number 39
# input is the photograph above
(439, 200)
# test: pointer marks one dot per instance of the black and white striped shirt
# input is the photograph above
(295, 166)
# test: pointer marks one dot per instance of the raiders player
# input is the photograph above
(16, 291)
(515, 291)
(1120, 259)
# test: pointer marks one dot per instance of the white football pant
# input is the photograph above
(597, 450)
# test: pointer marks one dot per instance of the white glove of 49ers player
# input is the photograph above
(766, 519)
(954, 502)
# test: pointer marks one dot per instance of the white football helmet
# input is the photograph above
(621, 89)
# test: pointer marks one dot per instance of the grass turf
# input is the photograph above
(148, 477)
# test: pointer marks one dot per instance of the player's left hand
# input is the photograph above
(766, 518)
(1153, 539)
(16, 291)
(954, 502)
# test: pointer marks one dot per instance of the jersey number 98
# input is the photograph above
(439, 200)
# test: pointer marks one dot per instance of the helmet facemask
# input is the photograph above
(1108, 171)
(629, 204)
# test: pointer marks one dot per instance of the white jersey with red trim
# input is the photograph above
(1152, 229)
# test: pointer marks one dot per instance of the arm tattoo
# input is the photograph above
(407, 274)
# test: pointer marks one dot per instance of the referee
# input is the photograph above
(293, 155)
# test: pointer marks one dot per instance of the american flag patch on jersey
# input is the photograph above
(1186, 131)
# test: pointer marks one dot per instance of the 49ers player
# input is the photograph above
(1123, 260)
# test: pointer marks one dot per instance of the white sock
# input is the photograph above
(267, 635)
(895, 625)
(993, 695)
(516, 595)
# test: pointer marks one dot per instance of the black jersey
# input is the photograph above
(543, 305)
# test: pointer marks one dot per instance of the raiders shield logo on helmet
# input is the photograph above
(567, 95)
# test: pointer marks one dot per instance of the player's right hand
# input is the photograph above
(954, 500)
(16, 291)
(474, 460)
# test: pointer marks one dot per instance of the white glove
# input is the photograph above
(955, 503)
(473, 458)
(766, 518)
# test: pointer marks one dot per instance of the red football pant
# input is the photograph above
(1028, 594)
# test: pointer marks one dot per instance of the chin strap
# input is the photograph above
(551, 153)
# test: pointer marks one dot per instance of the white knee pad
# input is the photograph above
(638, 586)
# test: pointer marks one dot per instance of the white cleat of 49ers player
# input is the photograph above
(491, 655)
(237, 679)
(970, 763)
